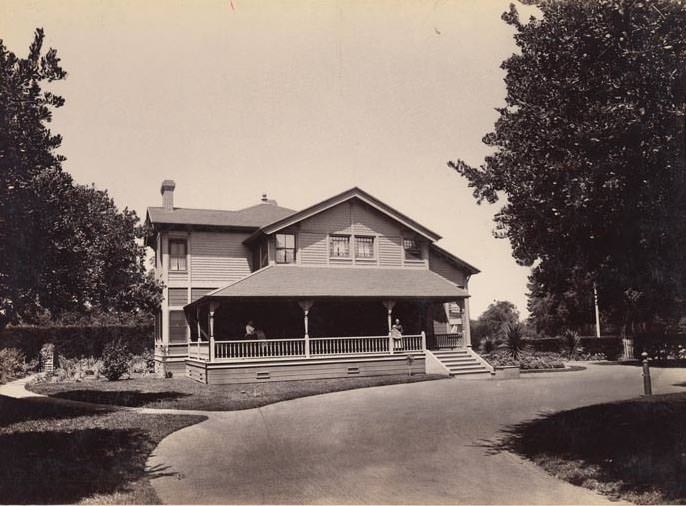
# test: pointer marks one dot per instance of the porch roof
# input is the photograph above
(292, 281)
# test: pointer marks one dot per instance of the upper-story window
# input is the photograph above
(364, 247)
(177, 255)
(339, 246)
(412, 249)
(285, 248)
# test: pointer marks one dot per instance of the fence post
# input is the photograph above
(423, 341)
(647, 386)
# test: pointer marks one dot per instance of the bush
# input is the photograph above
(142, 364)
(572, 341)
(514, 339)
(488, 345)
(115, 360)
(11, 364)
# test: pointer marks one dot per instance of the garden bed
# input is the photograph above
(632, 450)
(183, 393)
(61, 454)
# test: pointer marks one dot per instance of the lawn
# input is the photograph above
(51, 452)
(183, 393)
(633, 450)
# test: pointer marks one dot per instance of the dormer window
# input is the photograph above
(339, 246)
(177, 255)
(412, 249)
(285, 248)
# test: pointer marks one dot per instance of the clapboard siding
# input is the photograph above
(449, 271)
(368, 221)
(219, 257)
(217, 375)
(177, 296)
(390, 251)
(313, 248)
(177, 276)
(196, 293)
(337, 220)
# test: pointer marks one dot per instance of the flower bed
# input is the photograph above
(526, 360)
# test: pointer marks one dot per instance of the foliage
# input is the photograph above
(495, 317)
(64, 247)
(488, 345)
(588, 155)
(525, 360)
(11, 364)
(142, 364)
(115, 360)
(572, 343)
(514, 339)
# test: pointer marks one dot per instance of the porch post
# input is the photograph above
(466, 331)
(389, 304)
(197, 317)
(213, 308)
(306, 305)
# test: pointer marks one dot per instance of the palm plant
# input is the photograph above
(488, 345)
(572, 341)
(514, 339)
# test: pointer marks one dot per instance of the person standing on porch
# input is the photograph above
(250, 329)
(397, 333)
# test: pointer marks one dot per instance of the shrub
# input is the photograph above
(11, 364)
(488, 345)
(514, 339)
(142, 364)
(115, 360)
(572, 344)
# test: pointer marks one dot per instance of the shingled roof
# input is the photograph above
(251, 217)
(317, 282)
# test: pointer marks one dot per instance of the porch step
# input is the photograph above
(460, 363)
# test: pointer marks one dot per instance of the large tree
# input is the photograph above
(588, 156)
(64, 248)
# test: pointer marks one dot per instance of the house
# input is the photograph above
(321, 287)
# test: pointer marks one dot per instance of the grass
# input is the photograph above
(632, 450)
(55, 453)
(183, 393)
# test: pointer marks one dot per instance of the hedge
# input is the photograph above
(610, 346)
(76, 342)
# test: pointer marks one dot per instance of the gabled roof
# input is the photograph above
(297, 281)
(355, 192)
(447, 254)
(251, 217)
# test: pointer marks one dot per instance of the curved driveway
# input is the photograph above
(420, 443)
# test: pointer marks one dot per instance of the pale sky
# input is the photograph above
(297, 99)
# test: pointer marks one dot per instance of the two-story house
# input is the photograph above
(268, 293)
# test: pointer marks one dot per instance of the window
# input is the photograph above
(177, 255)
(177, 327)
(364, 247)
(412, 249)
(285, 248)
(339, 246)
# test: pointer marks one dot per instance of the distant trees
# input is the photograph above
(589, 157)
(64, 248)
(494, 319)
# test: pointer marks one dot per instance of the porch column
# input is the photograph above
(306, 305)
(466, 332)
(389, 304)
(213, 308)
(197, 318)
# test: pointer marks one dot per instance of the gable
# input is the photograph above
(353, 217)
(341, 218)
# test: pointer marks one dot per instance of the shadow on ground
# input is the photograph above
(52, 452)
(128, 398)
(632, 449)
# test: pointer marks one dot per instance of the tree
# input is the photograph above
(64, 248)
(589, 156)
(496, 316)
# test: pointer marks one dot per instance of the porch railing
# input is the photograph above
(262, 348)
(442, 341)
(199, 350)
(318, 347)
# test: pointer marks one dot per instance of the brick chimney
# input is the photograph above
(167, 192)
(265, 200)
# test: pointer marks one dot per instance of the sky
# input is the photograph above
(296, 99)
